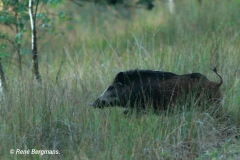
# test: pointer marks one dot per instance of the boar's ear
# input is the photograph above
(119, 77)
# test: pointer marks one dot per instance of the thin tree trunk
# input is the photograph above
(34, 41)
(2, 79)
(18, 44)
(200, 2)
(171, 6)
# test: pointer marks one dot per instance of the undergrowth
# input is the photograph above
(56, 115)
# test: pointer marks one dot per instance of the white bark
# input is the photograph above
(171, 6)
(1, 89)
(31, 21)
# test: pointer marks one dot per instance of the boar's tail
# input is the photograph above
(215, 71)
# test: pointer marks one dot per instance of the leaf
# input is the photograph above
(4, 18)
(54, 3)
(64, 16)
(18, 38)
(21, 26)
(39, 15)
(25, 51)
(3, 46)
(3, 35)
(3, 54)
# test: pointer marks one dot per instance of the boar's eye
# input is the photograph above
(119, 84)
(110, 88)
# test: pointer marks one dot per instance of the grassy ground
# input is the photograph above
(56, 115)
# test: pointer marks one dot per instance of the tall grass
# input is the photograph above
(56, 115)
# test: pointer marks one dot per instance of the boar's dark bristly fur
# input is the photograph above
(159, 90)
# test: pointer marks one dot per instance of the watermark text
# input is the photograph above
(33, 151)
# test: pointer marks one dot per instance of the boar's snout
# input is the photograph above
(98, 104)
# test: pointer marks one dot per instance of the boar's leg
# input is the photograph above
(127, 111)
(130, 111)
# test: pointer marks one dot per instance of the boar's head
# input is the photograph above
(115, 94)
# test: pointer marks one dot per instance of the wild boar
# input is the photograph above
(143, 89)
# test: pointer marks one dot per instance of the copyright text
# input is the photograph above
(33, 151)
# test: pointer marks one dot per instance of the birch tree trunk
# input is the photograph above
(3, 85)
(171, 6)
(32, 16)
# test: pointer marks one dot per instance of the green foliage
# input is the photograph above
(64, 16)
(3, 45)
(15, 16)
(52, 2)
